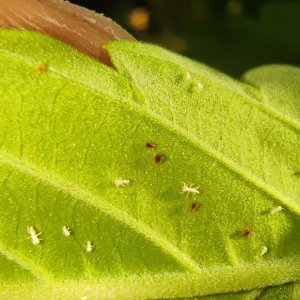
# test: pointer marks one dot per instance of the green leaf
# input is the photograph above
(288, 291)
(67, 134)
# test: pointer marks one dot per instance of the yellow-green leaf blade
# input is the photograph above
(68, 134)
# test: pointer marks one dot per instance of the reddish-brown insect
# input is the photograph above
(159, 159)
(247, 232)
(194, 207)
(41, 68)
(150, 146)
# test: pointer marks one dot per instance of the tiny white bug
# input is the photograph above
(89, 246)
(122, 182)
(264, 250)
(84, 298)
(188, 76)
(34, 235)
(190, 189)
(200, 85)
(66, 231)
(276, 210)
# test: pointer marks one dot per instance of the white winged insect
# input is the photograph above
(34, 236)
(66, 231)
(276, 210)
(264, 251)
(89, 246)
(121, 182)
(190, 189)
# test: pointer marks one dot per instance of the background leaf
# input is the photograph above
(68, 133)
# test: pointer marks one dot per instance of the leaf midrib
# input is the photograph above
(190, 138)
(147, 286)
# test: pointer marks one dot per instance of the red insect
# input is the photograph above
(41, 68)
(247, 232)
(150, 145)
(194, 207)
(159, 159)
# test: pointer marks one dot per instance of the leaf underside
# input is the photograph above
(71, 128)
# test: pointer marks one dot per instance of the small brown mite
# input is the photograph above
(150, 146)
(41, 68)
(194, 207)
(247, 232)
(159, 158)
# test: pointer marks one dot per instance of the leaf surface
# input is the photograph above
(67, 134)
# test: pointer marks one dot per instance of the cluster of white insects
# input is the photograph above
(36, 237)
(66, 231)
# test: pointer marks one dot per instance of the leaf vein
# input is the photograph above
(38, 272)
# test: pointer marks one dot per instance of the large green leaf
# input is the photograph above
(67, 134)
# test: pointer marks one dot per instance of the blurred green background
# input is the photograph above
(230, 35)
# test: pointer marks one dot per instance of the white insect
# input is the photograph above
(190, 189)
(84, 298)
(276, 210)
(264, 250)
(122, 182)
(66, 231)
(36, 240)
(89, 246)
(188, 76)
(200, 85)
